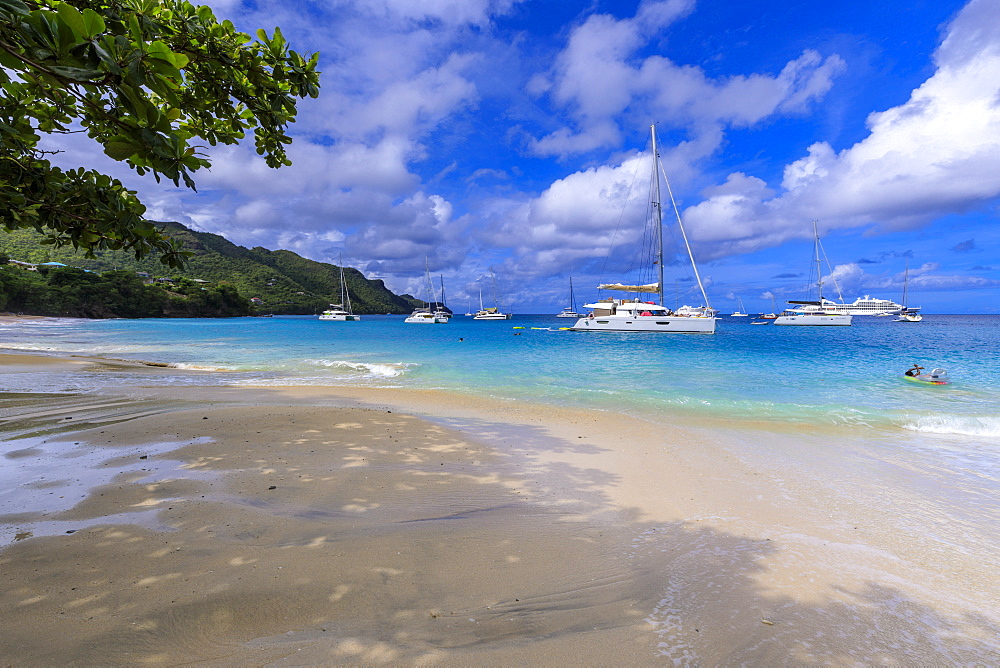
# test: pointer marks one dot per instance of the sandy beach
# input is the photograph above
(308, 526)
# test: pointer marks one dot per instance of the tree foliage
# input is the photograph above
(146, 79)
(67, 291)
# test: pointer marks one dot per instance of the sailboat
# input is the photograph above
(741, 312)
(773, 315)
(907, 314)
(341, 312)
(623, 315)
(812, 312)
(440, 308)
(570, 311)
(495, 312)
(426, 315)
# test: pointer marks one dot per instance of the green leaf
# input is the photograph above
(93, 23)
(119, 150)
(77, 73)
(72, 17)
(13, 7)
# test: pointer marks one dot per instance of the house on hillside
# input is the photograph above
(27, 266)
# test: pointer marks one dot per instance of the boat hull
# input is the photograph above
(427, 321)
(814, 320)
(341, 318)
(627, 323)
(492, 316)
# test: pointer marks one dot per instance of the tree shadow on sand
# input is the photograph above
(373, 537)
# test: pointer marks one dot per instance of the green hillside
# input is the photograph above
(285, 282)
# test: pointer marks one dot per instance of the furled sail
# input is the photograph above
(652, 287)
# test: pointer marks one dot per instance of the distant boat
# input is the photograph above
(773, 315)
(570, 311)
(741, 312)
(495, 312)
(812, 313)
(426, 315)
(866, 305)
(622, 315)
(341, 312)
(907, 314)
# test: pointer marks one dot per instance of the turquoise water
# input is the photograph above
(824, 413)
(849, 376)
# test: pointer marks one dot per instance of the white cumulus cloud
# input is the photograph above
(936, 154)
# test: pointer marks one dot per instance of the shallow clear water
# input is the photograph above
(794, 375)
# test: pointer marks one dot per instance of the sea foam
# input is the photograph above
(368, 369)
(961, 425)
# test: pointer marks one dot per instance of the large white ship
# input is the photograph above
(866, 305)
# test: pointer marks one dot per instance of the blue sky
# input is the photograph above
(501, 133)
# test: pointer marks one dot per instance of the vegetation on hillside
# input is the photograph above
(285, 282)
(72, 292)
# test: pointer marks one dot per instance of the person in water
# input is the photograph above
(915, 371)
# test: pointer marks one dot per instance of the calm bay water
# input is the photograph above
(847, 376)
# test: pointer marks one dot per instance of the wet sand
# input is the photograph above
(254, 526)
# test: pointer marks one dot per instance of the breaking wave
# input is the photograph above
(984, 426)
(367, 369)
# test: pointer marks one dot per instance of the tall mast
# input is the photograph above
(819, 269)
(659, 217)
(680, 224)
(430, 285)
(345, 296)
(906, 280)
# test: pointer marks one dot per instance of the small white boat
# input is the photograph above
(907, 314)
(427, 315)
(741, 312)
(341, 312)
(570, 311)
(337, 313)
(814, 313)
(494, 312)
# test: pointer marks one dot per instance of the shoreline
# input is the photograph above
(625, 542)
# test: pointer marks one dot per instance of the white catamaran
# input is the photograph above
(813, 313)
(623, 315)
(495, 312)
(428, 315)
(341, 312)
